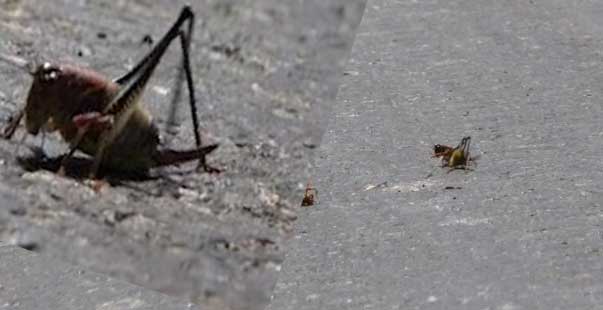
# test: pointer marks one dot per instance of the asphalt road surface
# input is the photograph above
(266, 72)
(393, 230)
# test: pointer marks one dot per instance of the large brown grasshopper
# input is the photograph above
(104, 118)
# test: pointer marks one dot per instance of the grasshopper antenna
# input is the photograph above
(13, 123)
(27, 66)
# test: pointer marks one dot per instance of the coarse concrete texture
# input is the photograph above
(266, 72)
(33, 281)
(393, 230)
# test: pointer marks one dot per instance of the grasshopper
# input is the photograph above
(454, 157)
(105, 118)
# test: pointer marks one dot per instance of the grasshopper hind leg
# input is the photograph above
(133, 82)
(144, 68)
(185, 40)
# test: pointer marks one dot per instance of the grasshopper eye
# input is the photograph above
(48, 72)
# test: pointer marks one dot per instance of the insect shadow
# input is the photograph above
(78, 167)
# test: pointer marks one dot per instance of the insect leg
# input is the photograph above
(97, 159)
(467, 156)
(9, 130)
(185, 42)
(72, 148)
(150, 61)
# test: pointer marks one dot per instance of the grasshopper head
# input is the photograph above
(42, 97)
(439, 149)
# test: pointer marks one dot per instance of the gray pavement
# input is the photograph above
(521, 231)
(33, 281)
(266, 73)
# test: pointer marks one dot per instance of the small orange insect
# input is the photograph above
(455, 157)
(309, 196)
